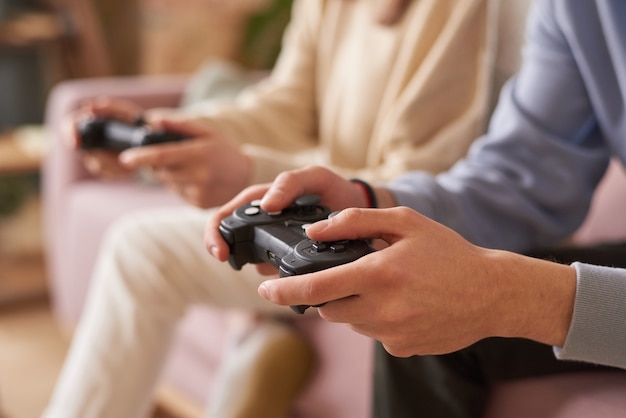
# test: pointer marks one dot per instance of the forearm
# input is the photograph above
(579, 309)
(279, 112)
(534, 297)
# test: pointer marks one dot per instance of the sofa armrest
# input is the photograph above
(605, 221)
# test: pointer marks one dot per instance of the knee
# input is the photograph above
(136, 249)
(127, 238)
(133, 264)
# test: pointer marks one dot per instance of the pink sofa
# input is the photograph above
(78, 209)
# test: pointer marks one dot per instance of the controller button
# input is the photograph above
(305, 226)
(256, 203)
(337, 247)
(319, 247)
(252, 211)
(277, 213)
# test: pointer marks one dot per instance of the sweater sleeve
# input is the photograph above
(258, 115)
(433, 99)
(597, 332)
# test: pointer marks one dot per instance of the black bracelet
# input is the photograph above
(369, 192)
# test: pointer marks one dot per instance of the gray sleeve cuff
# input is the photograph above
(597, 333)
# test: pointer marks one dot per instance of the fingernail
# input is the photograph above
(129, 156)
(317, 227)
(264, 291)
(125, 158)
(214, 251)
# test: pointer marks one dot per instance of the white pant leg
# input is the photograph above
(152, 266)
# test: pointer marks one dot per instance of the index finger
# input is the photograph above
(314, 288)
(335, 191)
(161, 155)
(170, 154)
(122, 110)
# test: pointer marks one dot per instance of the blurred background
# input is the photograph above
(42, 43)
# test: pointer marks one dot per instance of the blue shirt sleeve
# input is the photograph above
(528, 182)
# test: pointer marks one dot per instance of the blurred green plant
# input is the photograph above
(262, 39)
(14, 190)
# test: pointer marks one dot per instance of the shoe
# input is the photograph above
(263, 374)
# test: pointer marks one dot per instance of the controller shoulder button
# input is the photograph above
(307, 200)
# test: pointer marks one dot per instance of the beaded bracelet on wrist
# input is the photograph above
(372, 202)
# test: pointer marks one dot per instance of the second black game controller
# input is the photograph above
(110, 134)
(256, 236)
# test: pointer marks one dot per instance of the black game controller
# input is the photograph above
(110, 134)
(255, 236)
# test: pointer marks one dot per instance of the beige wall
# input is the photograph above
(177, 36)
(172, 36)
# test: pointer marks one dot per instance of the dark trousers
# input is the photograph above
(457, 385)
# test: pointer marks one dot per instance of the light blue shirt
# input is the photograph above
(528, 182)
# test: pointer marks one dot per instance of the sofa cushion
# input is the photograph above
(90, 207)
(579, 395)
(606, 221)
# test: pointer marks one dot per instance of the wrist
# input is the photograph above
(535, 298)
(375, 197)
(385, 198)
(371, 200)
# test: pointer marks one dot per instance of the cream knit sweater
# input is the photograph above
(367, 100)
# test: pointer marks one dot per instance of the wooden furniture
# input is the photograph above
(22, 269)
(18, 153)
(68, 31)
(67, 35)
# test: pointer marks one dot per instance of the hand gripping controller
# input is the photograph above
(255, 236)
(104, 133)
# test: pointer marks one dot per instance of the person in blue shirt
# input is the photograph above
(450, 281)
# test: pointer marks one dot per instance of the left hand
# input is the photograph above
(335, 192)
(100, 163)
